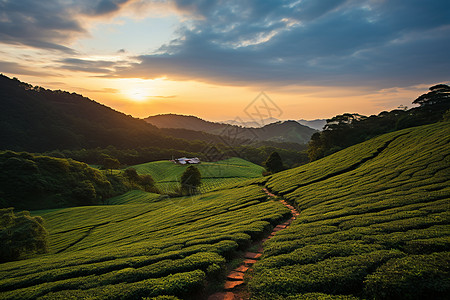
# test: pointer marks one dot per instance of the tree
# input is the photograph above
(274, 163)
(190, 180)
(110, 163)
(131, 174)
(21, 235)
(147, 183)
(439, 93)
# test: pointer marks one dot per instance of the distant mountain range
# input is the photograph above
(36, 119)
(280, 131)
(316, 124)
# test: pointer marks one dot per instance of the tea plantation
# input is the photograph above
(374, 223)
(214, 174)
(164, 247)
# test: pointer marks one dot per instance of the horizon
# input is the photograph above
(211, 60)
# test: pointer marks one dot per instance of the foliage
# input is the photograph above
(161, 247)
(68, 125)
(134, 197)
(438, 94)
(110, 163)
(412, 277)
(139, 155)
(146, 181)
(347, 129)
(214, 175)
(21, 235)
(36, 182)
(274, 164)
(374, 221)
(190, 180)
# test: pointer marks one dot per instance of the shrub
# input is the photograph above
(412, 277)
(21, 235)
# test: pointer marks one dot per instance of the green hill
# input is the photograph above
(214, 174)
(29, 181)
(168, 247)
(374, 224)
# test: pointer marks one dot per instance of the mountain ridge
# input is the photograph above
(281, 131)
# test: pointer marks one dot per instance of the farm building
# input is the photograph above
(185, 160)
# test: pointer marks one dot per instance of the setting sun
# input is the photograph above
(138, 94)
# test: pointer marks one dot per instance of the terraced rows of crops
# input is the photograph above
(214, 174)
(165, 247)
(374, 223)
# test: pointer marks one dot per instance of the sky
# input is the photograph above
(312, 59)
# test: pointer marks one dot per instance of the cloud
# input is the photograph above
(18, 69)
(90, 66)
(337, 42)
(50, 24)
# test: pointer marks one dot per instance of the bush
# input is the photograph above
(412, 277)
(21, 235)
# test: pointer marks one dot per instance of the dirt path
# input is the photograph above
(234, 288)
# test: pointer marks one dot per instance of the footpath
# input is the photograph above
(234, 288)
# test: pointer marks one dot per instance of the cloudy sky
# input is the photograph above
(314, 59)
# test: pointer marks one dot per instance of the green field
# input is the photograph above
(374, 224)
(134, 250)
(214, 174)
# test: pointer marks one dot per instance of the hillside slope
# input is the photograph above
(374, 222)
(167, 174)
(131, 251)
(282, 131)
(30, 181)
(36, 119)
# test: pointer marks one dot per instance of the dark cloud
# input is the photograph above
(90, 66)
(343, 42)
(49, 24)
(102, 7)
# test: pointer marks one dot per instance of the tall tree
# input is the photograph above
(274, 163)
(110, 163)
(191, 180)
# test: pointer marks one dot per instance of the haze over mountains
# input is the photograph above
(280, 131)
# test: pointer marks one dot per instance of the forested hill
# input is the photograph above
(38, 119)
(282, 131)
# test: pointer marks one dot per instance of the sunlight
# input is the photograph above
(137, 90)
(138, 94)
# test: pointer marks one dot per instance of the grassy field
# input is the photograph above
(164, 247)
(374, 222)
(214, 174)
(134, 197)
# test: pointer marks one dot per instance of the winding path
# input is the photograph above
(234, 285)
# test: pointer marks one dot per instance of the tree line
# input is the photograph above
(349, 129)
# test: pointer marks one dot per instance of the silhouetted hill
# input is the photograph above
(38, 119)
(315, 124)
(282, 131)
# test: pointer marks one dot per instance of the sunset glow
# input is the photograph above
(146, 57)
